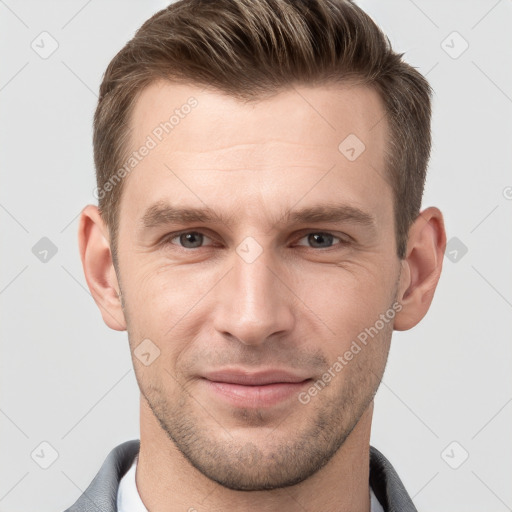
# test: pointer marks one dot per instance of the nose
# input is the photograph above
(253, 303)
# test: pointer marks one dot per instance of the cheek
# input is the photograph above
(350, 306)
(163, 304)
(347, 299)
(163, 294)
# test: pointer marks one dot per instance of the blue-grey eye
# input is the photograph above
(191, 239)
(319, 240)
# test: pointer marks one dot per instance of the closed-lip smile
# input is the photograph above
(254, 389)
(259, 378)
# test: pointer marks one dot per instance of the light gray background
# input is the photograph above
(66, 379)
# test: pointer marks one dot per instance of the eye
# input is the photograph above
(189, 239)
(321, 240)
(196, 240)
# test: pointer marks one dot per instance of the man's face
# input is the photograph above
(269, 289)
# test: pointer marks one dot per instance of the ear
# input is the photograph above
(93, 241)
(421, 268)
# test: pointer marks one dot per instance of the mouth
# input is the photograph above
(246, 389)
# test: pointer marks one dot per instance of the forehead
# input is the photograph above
(215, 146)
(323, 114)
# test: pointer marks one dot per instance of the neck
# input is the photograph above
(167, 482)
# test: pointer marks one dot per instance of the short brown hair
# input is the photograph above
(251, 49)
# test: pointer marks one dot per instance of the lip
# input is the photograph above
(261, 389)
(260, 378)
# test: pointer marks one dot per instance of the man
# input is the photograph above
(260, 168)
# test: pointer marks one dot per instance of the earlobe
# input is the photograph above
(94, 246)
(421, 268)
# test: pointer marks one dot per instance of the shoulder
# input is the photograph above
(386, 484)
(101, 494)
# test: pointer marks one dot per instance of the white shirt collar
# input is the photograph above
(128, 497)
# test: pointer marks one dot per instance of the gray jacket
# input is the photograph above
(101, 495)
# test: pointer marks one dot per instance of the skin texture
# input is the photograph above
(297, 307)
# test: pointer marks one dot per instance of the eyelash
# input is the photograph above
(341, 242)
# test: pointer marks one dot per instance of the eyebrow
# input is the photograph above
(331, 214)
(162, 213)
